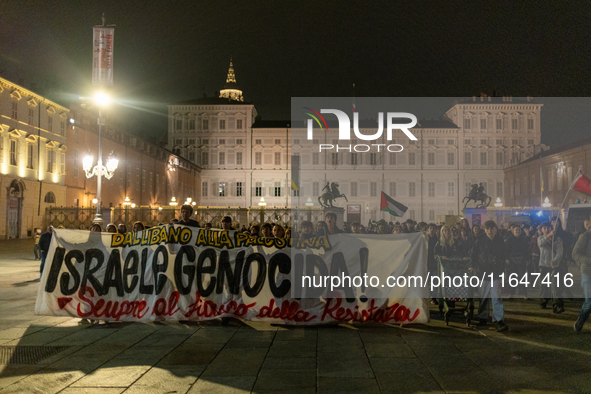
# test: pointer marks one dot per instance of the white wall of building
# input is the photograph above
(447, 158)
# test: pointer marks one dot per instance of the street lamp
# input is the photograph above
(309, 204)
(100, 170)
(546, 203)
(498, 203)
(262, 204)
(126, 204)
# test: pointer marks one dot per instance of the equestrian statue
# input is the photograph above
(477, 194)
(332, 193)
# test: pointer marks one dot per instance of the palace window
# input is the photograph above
(50, 160)
(451, 159)
(393, 189)
(30, 155)
(412, 189)
(75, 164)
(483, 158)
(451, 189)
(373, 160)
(431, 158)
(467, 158)
(315, 158)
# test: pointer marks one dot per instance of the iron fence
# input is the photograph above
(81, 218)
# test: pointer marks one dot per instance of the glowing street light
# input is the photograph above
(173, 202)
(126, 202)
(101, 100)
(262, 203)
(546, 203)
(309, 203)
(498, 203)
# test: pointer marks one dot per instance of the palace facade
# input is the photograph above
(245, 159)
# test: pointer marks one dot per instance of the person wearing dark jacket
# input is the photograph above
(186, 213)
(447, 246)
(488, 257)
(44, 243)
(582, 255)
(465, 243)
(431, 262)
(517, 253)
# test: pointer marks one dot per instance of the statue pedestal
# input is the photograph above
(340, 212)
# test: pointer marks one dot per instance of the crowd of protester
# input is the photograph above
(511, 249)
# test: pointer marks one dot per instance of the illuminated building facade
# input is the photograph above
(245, 159)
(32, 158)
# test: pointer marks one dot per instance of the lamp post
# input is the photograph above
(262, 204)
(309, 204)
(546, 203)
(498, 203)
(173, 204)
(126, 204)
(99, 170)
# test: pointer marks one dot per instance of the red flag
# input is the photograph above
(582, 183)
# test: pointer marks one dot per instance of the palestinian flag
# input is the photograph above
(582, 183)
(392, 206)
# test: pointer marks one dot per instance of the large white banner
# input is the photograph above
(102, 56)
(186, 273)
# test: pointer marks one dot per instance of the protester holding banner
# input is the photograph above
(138, 226)
(95, 228)
(331, 223)
(227, 223)
(446, 247)
(267, 230)
(44, 242)
(278, 231)
(186, 213)
(488, 258)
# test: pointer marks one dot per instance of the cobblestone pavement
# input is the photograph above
(541, 352)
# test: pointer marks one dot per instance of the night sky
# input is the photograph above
(172, 51)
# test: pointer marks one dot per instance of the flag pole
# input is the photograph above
(541, 187)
